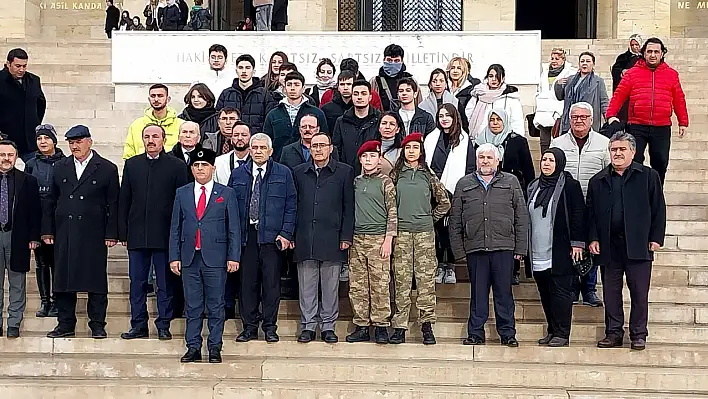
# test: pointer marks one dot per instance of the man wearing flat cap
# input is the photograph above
(205, 245)
(81, 220)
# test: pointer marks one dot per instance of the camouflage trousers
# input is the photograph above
(414, 257)
(369, 277)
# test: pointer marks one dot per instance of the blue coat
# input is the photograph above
(220, 233)
(278, 206)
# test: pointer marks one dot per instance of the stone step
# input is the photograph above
(526, 331)
(682, 228)
(49, 388)
(106, 89)
(685, 198)
(685, 212)
(690, 175)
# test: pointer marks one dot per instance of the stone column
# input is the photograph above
(20, 19)
(489, 15)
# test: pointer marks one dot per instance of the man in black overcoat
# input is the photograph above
(20, 213)
(627, 223)
(147, 193)
(325, 194)
(22, 103)
(81, 220)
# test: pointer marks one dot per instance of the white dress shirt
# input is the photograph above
(253, 184)
(198, 192)
(81, 166)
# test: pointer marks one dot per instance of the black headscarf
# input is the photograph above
(547, 184)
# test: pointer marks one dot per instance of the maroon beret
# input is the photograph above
(369, 146)
(412, 137)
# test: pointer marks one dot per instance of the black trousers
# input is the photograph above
(66, 309)
(231, 291)
(140, 261)
(443, 249)
(658, 138)
(260, 284)
(638, 279)
(491, 269)
(556, 292)
(44, 259)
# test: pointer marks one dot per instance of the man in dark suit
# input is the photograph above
(325, 190)
(81, 211)
(627, 223)
(188, 143)
(266, 194)
(150, 181)
(20, 213)
(22, 103)
(205, 244)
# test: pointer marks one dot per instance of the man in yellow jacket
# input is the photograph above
(157, 114)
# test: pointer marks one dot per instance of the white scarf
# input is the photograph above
(456, 164)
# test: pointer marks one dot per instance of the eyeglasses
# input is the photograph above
(579, 117)
(319, 146)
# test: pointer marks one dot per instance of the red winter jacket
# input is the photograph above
(374, 102)
(653, 94)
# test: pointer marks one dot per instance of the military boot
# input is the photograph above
(361, 334)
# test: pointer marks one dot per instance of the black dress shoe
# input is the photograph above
(164, 334)
(637, 344)
(545, 340)
(53, 311)
(99, 333)
(214, 355)
(135, 333)
(473, 341)
(57, 333)
(247, 335)
(271, 336)
(558, 342)
(306, 336)
(610, 342)
(398, 336)
(329, 337)
(193, 355)
(13, 332)
(511, 342)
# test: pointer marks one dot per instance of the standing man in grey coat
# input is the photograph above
(489, 225)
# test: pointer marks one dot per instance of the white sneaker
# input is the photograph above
(450, 277)
(344, 273)
(439, 274)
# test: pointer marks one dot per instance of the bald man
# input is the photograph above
(150, 181)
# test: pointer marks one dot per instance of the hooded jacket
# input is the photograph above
(134, 141)
(253, 103)
(348, 137)
(653, 96)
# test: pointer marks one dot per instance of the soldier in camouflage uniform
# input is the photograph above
(375, 226)
(414, 249)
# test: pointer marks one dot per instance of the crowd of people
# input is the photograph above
(176, 15)
(370, 182)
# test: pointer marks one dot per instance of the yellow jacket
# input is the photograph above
(134, 141)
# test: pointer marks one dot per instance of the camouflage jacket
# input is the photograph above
(375, 203)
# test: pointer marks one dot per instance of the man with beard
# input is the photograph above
(490, 204)
(627, 224)
(342, 100)
(357, 126)
(81, 211)
(158, 113)
(223, 167)
(147, 193)
(218, 78)
(386, 83)
(220, 142)
(247, 95)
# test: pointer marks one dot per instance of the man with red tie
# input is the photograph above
(205, 244)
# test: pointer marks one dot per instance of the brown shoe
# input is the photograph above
(610, 342)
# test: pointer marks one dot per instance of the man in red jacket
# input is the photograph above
(654, 92)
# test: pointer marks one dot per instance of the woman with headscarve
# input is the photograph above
(557, 235)
(514, 153)
(493, 92)
(548, 107)
(625, 61)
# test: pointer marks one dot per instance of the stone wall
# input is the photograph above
(489, 15)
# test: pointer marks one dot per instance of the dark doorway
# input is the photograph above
(228, 13)
(558, 19)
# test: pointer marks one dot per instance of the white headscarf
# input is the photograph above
(638, 39)
(497, 140)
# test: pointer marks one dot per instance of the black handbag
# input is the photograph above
(533, 130)
(583, 266)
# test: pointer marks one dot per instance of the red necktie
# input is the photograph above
(201, 206)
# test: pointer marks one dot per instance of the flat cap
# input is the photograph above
(77, 132)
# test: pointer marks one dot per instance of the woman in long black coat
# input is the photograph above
(623, 62)
(81, 217)
(558, 235)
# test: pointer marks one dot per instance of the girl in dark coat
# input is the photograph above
(200, 108)
(271, 79)
(557, 233)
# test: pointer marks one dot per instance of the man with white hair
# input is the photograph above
(586, 154)
(266, 194)
(490, 233)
